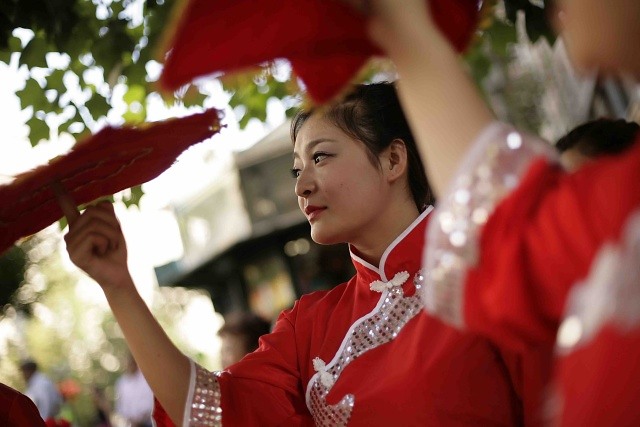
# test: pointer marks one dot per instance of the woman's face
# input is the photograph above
(602, 34)
(338, 187)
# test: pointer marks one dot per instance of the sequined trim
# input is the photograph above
(494, 166)
(382, 325)
(609, 295)
(203, 404)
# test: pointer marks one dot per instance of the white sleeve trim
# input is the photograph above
(192, 386)
(491, 170)
(610, 294)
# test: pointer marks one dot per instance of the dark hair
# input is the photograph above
(29, 365)
(371, 113)
(600, 137)
(246, 325)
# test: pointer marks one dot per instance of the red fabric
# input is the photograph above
(541, 240)
(598, 383)
(60, 422)
(325, 40)
(107, 162)
(430, 375)
(16, 409)
(160, 415)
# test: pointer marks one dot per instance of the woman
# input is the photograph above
(514, 233)
(364, 353)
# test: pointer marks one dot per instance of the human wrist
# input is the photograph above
(119, 285)
(415, 35)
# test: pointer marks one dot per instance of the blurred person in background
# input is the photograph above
(239, 336)
(600, 137)
(103, 407)
(41, 390)
(134, 398)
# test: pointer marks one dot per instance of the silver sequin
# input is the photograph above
(205, 405)
(609, 294)
(376, 329)
(493, 168)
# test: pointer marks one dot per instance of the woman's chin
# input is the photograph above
(324, 238)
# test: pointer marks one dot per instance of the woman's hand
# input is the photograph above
(95, 242)
(444, 109)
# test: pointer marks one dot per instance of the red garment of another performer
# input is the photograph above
(325, 40)
(597, 374)
(538, 242)
(17, 410)
(363, 353)
(598, 384)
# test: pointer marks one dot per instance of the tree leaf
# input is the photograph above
(33, 96)
(55, 80)
(135, 93)
(34, 53)
(97, 106)
(5, 56)
(38, 130)
(134, 197)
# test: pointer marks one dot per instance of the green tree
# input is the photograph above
(62, 322)
(119, 40)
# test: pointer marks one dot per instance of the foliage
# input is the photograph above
(66, 326)
(120, 40)
(82, 58)
(12, 269)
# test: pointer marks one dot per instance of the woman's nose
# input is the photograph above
(304, 184)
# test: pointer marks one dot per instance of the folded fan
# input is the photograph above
(110, 161)
(325, 40)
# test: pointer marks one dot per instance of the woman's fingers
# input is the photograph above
(99, 225)
(96, 231)
(66, 202)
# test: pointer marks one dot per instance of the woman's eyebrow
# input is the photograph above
(312, 144)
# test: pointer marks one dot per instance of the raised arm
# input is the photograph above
(96, 245)
(444, 108)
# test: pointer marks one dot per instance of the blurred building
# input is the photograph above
(246, 241)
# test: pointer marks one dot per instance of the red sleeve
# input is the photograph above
(598, 384)
(264, 388)
(160, 416)
(530, 373)
(20, 410)
(541, 240)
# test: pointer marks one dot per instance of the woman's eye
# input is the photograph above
(318, 157)
(295, 173)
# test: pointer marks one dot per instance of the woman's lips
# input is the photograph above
(312, 212)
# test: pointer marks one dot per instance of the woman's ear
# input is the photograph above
(394, 160)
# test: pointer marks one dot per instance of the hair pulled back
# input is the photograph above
(371, 113)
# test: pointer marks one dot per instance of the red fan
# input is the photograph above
(325, 40)
(112, 160)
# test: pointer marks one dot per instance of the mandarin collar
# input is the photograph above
(403, 254)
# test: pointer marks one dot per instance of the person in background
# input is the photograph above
(600, 137)
(17, 410)
(134, 398)
(41, 390)
(103, 407)
(239, 336)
